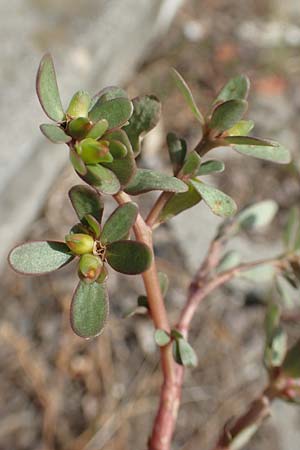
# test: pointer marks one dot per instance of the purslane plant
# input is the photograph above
(104, 136)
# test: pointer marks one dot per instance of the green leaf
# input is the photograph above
(228, 261)
(185, 354)
(79, 243)
(117, 149)
(77, 162)
(262, 273)
(241, 128)
(227, 114)
(89, 309)
(116, 111)
(191, 164)
(163, 283)
(147, 180)
(129, 257)
(79, 105)
(146, 114)
(177, 151)
(179, 203)
(79, 127)
(103, 179)
(118, 225)
(272, 320)
(219, 203)
(98, 129)
(108, 93)
(47, 90)
(292, 229)
(257, 216)
(258, 148)
(39, 257)
(90, 267)
(291, 364)
(93, 152)
(236, 88)
(54, 133)
(86, 201)
(187, 94)
(125, 167)
(211, 166)
(93, 224)
(161, 338)
(275, 353)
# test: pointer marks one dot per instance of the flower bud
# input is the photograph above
(80, 243)
(90, 267)
(79, 105)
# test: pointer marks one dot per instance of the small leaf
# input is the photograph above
(257, 216)
(241, 128)
(39, 257)
(211, 166)
(227, 114)
(47, 90)
(236, 88)
(79, 127)
(185, 354)
(179, 203)
(292, 229)
(187, 94)
(98, 129)
(163, 283)
(129, 257)
(162, 338)
(93, 152)
(272, 320)
(89, 309)
(146, 114)
(275, 352)
(86, 201)
(228, 261)
(117, 149)
(108, 93)
(80, 243)
(116, 111)
(125, 167)
(118, 225)
(103, 179)
(77, 162)
(291, 364)
(268, 150)
(147, 180)
(219, 203)
(177, 151)
(90, 267)
(93, 224)
(191, 164)
(54, 133)
(79, 105)
(262, 273)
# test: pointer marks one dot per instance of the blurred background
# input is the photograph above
(59, 392)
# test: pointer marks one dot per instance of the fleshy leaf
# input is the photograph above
(220, 203)
(147, 180)
(161, 338)
(79, 127)
(184, 353)
(98, 129)
(236, 88)
(86, 201)
(77, 162)
(79, 105)
(258, 215)
(89, 309)
(177, 151)
(211, 166)
(108, 93)
(291, 364)
(103, 179)
(258, 148)
(241, 128)
(93, 152)
(90, 267)
(54, 133)
(276, 351)
(118, 225)
(129, 257)
(227, 114)
(191, 164)
(116, 111)
(179, 203)
(125, 167)
(93, 224)
(47, 89)
(146, 114)
(187, 94)
(39, 257)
